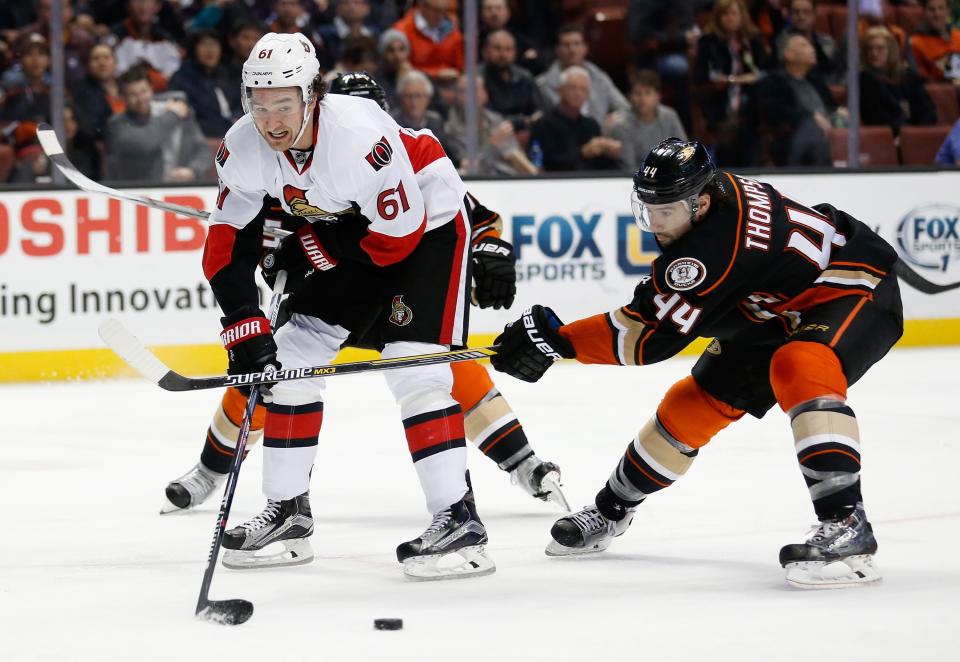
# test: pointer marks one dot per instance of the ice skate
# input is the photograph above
(191, 489)
(589, 530)
(838, 554)
(541, 480)
(452, 547)
(279, 536)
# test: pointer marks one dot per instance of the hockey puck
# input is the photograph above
(388, 623)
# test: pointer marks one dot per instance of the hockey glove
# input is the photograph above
(248, 339)
(299, 254)
(494, 273)
(529, 346)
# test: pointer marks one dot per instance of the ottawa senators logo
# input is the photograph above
(223, 154)
(380, 154)
(400, 313)
(296, 199)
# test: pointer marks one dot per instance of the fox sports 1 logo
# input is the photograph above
(929, 236)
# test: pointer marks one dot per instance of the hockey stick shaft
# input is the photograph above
(203, 602)
(136, 354)
(55, 152)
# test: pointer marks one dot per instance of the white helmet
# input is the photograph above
(281, 60)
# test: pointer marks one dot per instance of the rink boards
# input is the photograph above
(70, 260)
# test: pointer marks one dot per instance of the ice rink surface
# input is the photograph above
(90, 571)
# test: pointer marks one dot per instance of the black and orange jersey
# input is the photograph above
(748, 270)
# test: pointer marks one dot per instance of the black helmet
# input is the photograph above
(359, 84)
(673, 170)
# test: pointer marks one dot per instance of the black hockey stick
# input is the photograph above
(235, 611)
(918, 282)
(54, 151)
(135, 353)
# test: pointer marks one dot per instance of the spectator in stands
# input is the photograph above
(949, 152)
(795, 108)
(513, 92)
(394, 49)
(646, 124)
(351, 20)
(436, 44)
(243, 37)
(77, 39)
(212, 95)
(663, 32)
(140, 39)
(499, 151)
(880, 13)
(569, 139)
(495, 15)
(80, 145)
(30, 100)
(936, 45)
(414, 91)
(731, 58)
(803, 17)
(604, 97)
(153, 142)
(288, 16)
(890, 92)
(97, 96)
(357, 54)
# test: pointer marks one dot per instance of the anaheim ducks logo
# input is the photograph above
(685, 273)
(296, 199)
(400, 313)
(687, 153)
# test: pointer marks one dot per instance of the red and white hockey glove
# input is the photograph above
(248, 339)
(298, 254)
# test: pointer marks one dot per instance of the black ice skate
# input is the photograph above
(541, 480)
(450, 548)
(191, 489)
(590, 530)
(838, 554)
(276, 537)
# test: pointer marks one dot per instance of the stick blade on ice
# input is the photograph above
(226, 612)
(130, 349)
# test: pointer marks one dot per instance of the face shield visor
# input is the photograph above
(290, 110)
(665, 218)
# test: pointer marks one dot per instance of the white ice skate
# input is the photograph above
(452, 547)
(541, 480)
(838, 554)
(191, 489)
(279, 536)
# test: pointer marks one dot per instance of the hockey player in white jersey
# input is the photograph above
(489, 421)
(388, 275)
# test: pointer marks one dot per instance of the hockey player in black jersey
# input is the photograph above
(800, 302)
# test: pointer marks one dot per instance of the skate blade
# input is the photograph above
(550, 489)
(849, 572)
(291, 552)
(461, 564)
(169, 508)
(556, 549)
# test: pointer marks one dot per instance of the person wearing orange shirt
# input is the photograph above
(935, 45)
(436, 44)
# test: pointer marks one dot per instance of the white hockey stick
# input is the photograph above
(135, 353)
(54, 151)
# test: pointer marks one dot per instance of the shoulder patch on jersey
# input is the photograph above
(685, 273)
(223, 153)
(380, 154)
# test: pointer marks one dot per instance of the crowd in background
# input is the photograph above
(152, 85)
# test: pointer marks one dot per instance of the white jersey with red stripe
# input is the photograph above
(400, 180)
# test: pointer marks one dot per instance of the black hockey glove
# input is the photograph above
(248, 339)
(529, 346)
(299, 254)
(494, 273)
